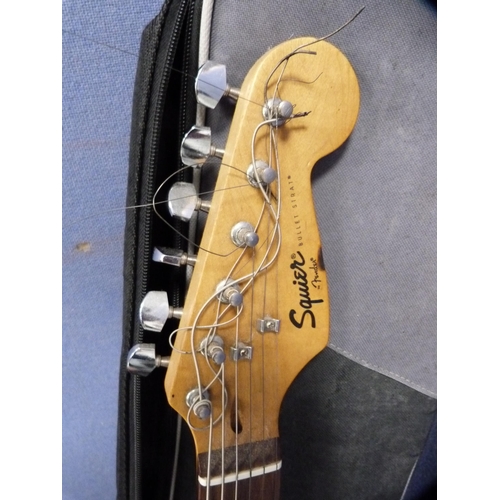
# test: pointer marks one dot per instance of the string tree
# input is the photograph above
(241, 351)
(268, 325)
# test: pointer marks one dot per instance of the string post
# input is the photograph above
(199, 402)
(277, 110)
(214, 349)
(243, 235)
(260, 174)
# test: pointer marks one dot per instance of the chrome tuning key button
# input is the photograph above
(173, 257)
(142, 359)
(229, 293)
(197, 146)
(243, 234)
(199, 403)
(211, 85)
(183, 201)
(155, 310)
(261, 174)
(279, 110)
(214, 349)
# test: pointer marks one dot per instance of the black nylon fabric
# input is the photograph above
(346, 433)
(349, 432)
(164, 108)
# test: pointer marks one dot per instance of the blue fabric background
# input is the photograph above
(100, 46)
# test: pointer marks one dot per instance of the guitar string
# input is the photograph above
(263, 268)
(156, 202)
(253, 275)
(272, 146)
(209, 458)
(118, 49)
(223, 431)
(236, 415)
(276, 274)
(229, 274)
(252, 278)
(171, 68)
(197, 318)
(275, 216)
(263, 315)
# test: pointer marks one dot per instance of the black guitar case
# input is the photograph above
(359, 421)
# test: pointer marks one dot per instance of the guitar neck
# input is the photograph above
(251, 471)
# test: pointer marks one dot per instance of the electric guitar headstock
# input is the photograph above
(256, 311)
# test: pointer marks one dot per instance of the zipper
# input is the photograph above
(136, 483)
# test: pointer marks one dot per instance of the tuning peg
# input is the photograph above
(214, 348)
(155, 310)
(243, 234)
(183, 201)
(261, 173)
(197, 146)
(211, 85)
(278, 110)
(173, 257)
(142, 359)
(229, 292)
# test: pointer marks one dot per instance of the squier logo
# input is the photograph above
(306, 303)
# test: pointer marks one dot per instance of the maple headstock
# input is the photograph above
(283, 319)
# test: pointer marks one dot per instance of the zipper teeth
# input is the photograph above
(146, 254)
(183, 118)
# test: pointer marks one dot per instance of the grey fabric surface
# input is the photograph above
(375, 196)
